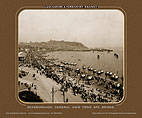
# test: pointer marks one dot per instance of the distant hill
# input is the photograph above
(55, 45)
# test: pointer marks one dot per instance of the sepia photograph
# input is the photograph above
(70, 56)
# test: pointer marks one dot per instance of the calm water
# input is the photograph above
(107, 61)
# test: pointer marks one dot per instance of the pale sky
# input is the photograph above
(93, 28)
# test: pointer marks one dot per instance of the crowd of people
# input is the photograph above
(90, 84)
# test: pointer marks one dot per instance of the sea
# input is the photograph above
(106, 62)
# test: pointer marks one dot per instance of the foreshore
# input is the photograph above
(58, 81)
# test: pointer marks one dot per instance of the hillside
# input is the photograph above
(55, 45)
(64, 45)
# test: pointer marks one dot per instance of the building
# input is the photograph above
(21, 56)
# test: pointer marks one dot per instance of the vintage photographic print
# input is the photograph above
(70, 56)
